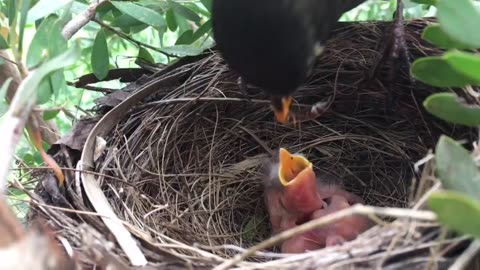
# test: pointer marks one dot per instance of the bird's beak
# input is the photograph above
(299, 181)
(292, 167)
(281, 108)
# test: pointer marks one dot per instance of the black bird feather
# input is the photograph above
(272, 44)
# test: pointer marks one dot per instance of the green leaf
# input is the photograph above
(50, 114)
(460, 19)
(4, 88)
(199, 9)
(185, 38)
(145, 55)
(456, 211)
(66, 15)
(448, 107)
(467, 64)
(435, 71)
(3, 93)
(38, 49)
(28, 159)
(45, 7)
(171, 21)
(138, 28)
(12, 13)
(184, 11)
(207, 4)
(47, 43)
(125, 21)
(426, 2)
(56, 46)
(435, 35)
(57, 82)
(30, 84)
(455, 167)
(3, 43)
(100, 59)
(182, 50)
(140, 13)
(202, 30)
(106, 8)
(183, 24)
(45, 90)
(57, 43)
(22, 22)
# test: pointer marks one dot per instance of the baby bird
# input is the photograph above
(295, 195)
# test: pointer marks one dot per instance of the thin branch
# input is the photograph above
(8, 60)
(126, 37)
(81, 20)
(354, 210)
(93, 88)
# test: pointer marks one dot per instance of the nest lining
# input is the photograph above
(185, 166)
(192, 170)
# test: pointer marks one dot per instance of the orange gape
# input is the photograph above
(294, 195)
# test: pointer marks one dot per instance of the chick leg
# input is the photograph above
(36, 137)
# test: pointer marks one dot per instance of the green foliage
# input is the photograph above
(44, 8)
(184, 11)
(47, 43)
(435, 35)
(51, 114)
(100, 60)
(456, 67)
(449, 107)
(436, 71)
(3, 92)
(36, 52)
(182, 50)
(456, 168)
(140, 13)
(457, 211)
(460, 19)
(145, 55)
(33, 81)
(426, 2)
(465, 63)
(3, 43)
(458, 208)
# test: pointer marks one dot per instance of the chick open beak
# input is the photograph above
(281, 108)
(299, 181)
(292, 168)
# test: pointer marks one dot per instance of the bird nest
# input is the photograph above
(182, 168)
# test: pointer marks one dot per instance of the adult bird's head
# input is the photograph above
(269, 43)
(272, 44)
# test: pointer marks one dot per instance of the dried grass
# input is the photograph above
(183, 169)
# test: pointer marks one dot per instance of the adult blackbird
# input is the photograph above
(273, 44)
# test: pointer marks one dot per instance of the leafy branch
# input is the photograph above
(458, 206)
